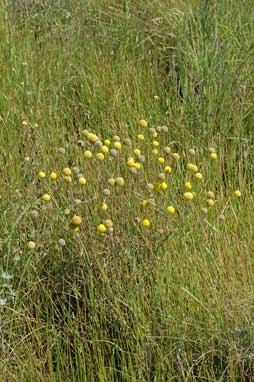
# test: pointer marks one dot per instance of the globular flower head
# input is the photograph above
(143, 123)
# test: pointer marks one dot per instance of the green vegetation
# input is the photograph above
(150, 280)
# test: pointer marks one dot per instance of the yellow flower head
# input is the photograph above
(187, 186)
(41, 174)
(176, 156)
(137, 166)
(213, 156)
(76, 221)
(238, 193)
(104, 149)
(88, 154)
(210, 202)
(117, 145)
(130, 161)
(46, 197)
(167, 150)
(146, 223)
(67, 212)
(140, 137)
(120, 181)
(82, 180)
(155, 134)
(99, 156)
(67, 171)
(108, 223)
(143, 123)
(155, 143)
(198, 176)
(31, 245)
(161, 160)
(92, 137)
(53, 175)
(101, 228)
(163, 186)
(154, 151)
(210, 195)
(168, 169)
(144, 203)
(188, 195)
(171, 210)
(107, 142)
(103, 207)
(111, 181)
(137, 152)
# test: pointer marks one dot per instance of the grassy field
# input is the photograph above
(126, 191)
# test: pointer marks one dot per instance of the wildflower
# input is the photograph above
(162, 176)
(67, 171)
(133, 171)
(155, 143)
(167, 150)
(163, 186)
(187, 185)
(137, 166)
(99, 156)
(213, 156)
(41, 174)
(106, 192)
(53, 176)
(143, 123)
(164, 129)
(61, 242)
(31, 245)
(137, 152)
(76, 221)
(167, 169)
(68, 179)
(149, 186)
(113, 152)
(111, 181)
(141, 158)
(210, 202)
(103, 207)
(117, 145)
(116, 138)
(161, 160)
(204, 210)
(120, 181)
(88, 154)
(155, 134)
(77, 201)
(140, 137)
(108, 223)
(101, 228)
(82, 180)
(238, 193)
(211, 149)
(107, 142)
(192, 151)
(171, 210)
(104, 149)
(67, 212)
(176, 156)
(24, 123)
(152, 130)
(98, 143)
(127, 141)
(198, 176)
(146, 223)
(156, 98)
(154, 151)
(92, 137)
(46, 197)
(188, 195)
(76, 170)
(210, 195)
(27, 159)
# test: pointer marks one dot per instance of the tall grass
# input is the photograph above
(130, 308)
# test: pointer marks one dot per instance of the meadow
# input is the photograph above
(126, 191)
